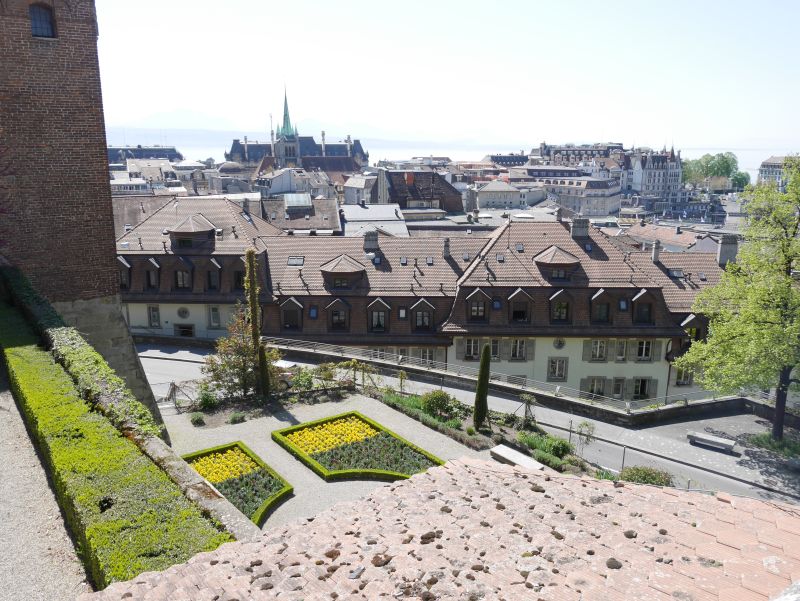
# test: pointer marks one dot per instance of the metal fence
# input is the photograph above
(522, 383)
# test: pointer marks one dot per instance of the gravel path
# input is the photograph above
(311, 493)
(37, 557)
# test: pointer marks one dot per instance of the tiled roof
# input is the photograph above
(323, 214)
(498, 185)
(665, 234)
(342, 264)
(402, 267)
(481, 530)
(404, 186)
(556, 256)
(238, 228)
(191, 224)
(700, 271)
(134, 209)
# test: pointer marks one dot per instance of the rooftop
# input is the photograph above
(473, 529)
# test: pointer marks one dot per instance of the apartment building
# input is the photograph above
(771, 172)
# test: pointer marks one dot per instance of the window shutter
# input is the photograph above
(633, 348)
(656, 356)
(587, 350)
(505, 349)
(609, 349)
(530, 348)
(628, 389)
(608, 388)
(439, 354)
(460, 347)
(584, 385)
(652, 388)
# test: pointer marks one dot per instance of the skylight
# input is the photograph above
(403, 260)
(295, 261)
(429, 260)
(500, 257)
(676, 273)
(520, 247)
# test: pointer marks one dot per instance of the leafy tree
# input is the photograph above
(723, 164)
(230, 369)
(740, 180)
(754, 312)
(254, 315)
(482, 390)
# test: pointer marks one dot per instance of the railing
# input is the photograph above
(523, 383)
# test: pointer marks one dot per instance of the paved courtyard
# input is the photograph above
(312, 494)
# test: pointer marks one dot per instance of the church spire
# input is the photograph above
(286, 128)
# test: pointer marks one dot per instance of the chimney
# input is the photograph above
(246, 159)
(580, 227)
(323, 142)
(446, 248)
(349, 142)
(727, 248)
(656, 251)
(371, 241)
(678, 229)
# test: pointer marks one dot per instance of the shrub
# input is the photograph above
(559, 447)
(197, 419)
(303, 380)
(206, 400)
(437, 403)
(786, 446)
(602, 474)
(548, 459)
(237, 417)
(454, 423)
(575, 460)
(470, 430)
(126, 515)
(643, 474)
(547, 443)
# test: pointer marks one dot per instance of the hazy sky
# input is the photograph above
(699, 73)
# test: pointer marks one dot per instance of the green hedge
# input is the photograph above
(279, 436)
(260, 515)
(89, 371)
(125, 514)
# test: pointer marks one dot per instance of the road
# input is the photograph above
(663, 446)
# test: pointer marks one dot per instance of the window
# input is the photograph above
(597, 386)
(559, 274)
(560, 311)
(496, 304)
(619, 387)
(600, 312)
(214, 320)
(290, 316)
(183, 279)
(622, 350)
(641, 388)
(377, 321)
(339, 320)
(42, 21)
(471, 348)
(402, 313)
(153, 316)
(519, 311)
(152, 279)
(124, 279)
(426, 355)
(238, 280)
(313, 312)
(623, 304)
(184, 330)
(644, 351)
(643, 313)
(477, 310)
(598, 350)
(213, 279)
(422, 320)
(518, 349)
(495, 347)
(340, 282)
(184, 243)
(294, 261)
(683, 377)
(557, 368)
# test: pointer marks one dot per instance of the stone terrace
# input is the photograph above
(474, 529)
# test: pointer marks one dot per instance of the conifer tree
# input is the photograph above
(482, 390)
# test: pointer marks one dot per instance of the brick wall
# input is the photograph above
(56, 222)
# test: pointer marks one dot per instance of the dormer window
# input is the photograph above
(559, 311)
(643, 313)
(183, 279)
(184, 242)
(43, 23)
(340, 283)
(477, 310)
(519, 311)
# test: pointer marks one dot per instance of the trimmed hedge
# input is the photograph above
(126, 515)
(92, 376)
(259, 516)
(279, 436)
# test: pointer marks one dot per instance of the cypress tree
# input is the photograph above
(482, 390)
(254, 310)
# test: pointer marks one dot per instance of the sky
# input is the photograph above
(462, 77)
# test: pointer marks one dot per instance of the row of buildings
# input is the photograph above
(558, 301)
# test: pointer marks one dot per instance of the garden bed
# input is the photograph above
(352, 446)
(248, 483)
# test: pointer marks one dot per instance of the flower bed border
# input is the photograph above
(270, 503)
(279, 436)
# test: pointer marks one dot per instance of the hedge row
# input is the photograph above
(260, 515)
(280, 436)
(126, 515)
(92, 376)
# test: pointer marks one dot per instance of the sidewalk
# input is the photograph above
(38, 561)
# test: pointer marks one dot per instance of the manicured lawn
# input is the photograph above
(351, 445)
(247, 482)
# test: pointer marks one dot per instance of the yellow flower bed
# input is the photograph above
(218, 467)
(327, 436)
